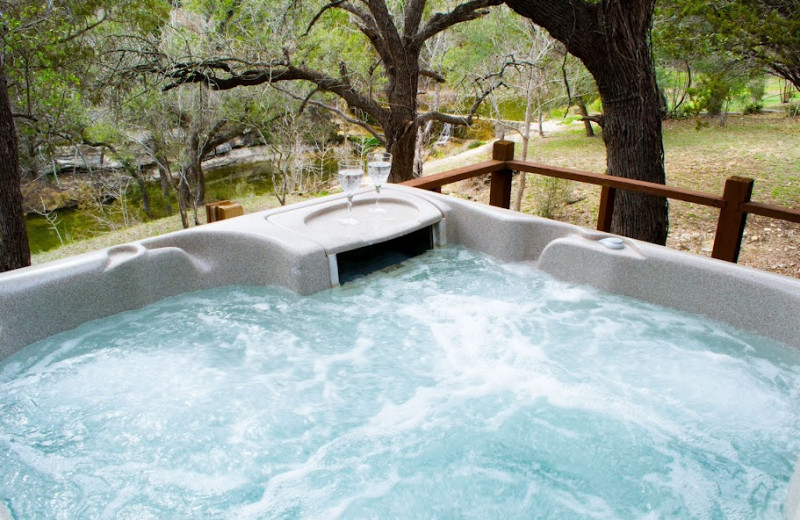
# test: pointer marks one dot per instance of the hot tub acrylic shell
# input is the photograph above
(294, 247)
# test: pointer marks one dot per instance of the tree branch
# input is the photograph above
(213, 138)
(368, 26)
(285, 72)
(305, 100)
(335, 3)
(441, 21)
(24, 116)
(459, 120)
(599, 119)
(82, 31)
(97, 144)
(562, 20)
(388, 32)
(308, 101)
(435, 76)
(413, 18)
(443, 118)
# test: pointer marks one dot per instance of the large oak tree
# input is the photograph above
(612, 38)
(393, 36)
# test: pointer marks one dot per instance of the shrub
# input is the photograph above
(550, 195)
(757, 88)
(364, 143)
(753, 108)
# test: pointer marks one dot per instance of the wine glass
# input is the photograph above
(379, 164)
(350, 174)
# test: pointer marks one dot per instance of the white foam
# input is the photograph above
(454, 378)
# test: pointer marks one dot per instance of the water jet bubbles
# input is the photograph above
(455, 378)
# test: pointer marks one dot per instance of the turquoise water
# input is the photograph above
(452, 387)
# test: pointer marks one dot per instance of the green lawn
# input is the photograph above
(700, 154)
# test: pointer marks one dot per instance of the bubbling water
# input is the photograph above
(451, 387)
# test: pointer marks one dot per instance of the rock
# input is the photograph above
(223, 149)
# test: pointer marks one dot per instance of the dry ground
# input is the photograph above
(700, 155)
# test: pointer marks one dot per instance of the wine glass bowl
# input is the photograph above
(379, 165)
(351, 173)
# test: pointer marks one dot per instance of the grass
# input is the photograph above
(698, 156)
(251, 203)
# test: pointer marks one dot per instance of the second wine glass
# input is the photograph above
(379, 165)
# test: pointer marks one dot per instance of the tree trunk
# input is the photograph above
(200, 186)
(539, 111)
(584, 112)
(526, 136)
(14, 249)
(612, 38)
(424, 136)
(184, 197)
(191, 191)
(136, 171)
(197, 179)
(163, 176)
(402, 148)
(399, 127)
(634, 146)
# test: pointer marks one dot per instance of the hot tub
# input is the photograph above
(303, 248)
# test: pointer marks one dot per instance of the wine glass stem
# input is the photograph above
(378, 196)
(350, 205)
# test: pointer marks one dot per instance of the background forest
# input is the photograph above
(131, 112)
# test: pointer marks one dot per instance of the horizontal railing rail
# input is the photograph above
(650, 188)
(734, 204)
(772, 211)
(435, 181)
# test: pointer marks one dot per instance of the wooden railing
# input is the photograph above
(734, 205)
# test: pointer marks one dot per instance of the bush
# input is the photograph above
(758, 89)
(714, 91)
(753, 108)
(712, 95)
(550, 195)
(364, 142)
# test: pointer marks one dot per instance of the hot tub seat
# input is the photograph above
(291, 247)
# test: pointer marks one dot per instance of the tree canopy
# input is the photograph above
(369, 54)
(766, 31)
(166, 76)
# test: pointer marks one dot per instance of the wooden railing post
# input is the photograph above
(732, 219)
(734, 205)
(606, 211)
(500, 188)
